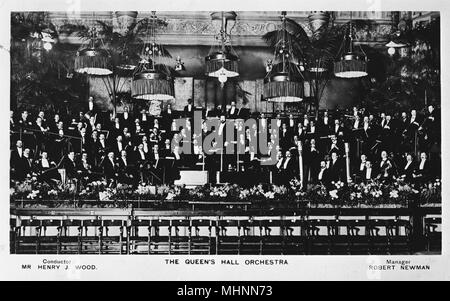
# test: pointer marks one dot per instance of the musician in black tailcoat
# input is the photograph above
(110, 167)
(385, 168)
(422, 173)
(336, 168)
(408, 169)
(323, 176)
(126, 169)
(46, 169)
(69, 164)
(233, 112)
(311, 161)
(189, 109)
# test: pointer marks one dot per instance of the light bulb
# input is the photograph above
(391, 51)
(222, 78)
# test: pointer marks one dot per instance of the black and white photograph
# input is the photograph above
(221, 137)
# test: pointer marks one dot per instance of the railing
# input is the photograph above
(225, 231)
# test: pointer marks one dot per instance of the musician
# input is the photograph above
(408, 170)
(12, 121)
(69, 165)
(43, 164)
(323, 175)
(285, 136)
(338, 130)
(126, 119)
(312, 132)
(423, 171)
(189, 109)
(336, 170)
(101, 147)
(118, 146)
(24, 119)
(289, 168)
(110, 168)
(166, 150)
(233, 112)
(360, 171)
(84, 169)
(369, 174)
(311, 161)
(385, 167)
(336, 146)
(167, 118)
(16, 155)
(292, 124)
(125, 169)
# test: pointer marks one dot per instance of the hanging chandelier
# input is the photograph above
(152, 78)
(92, 59)
(350, 65)
(284, 80)
(222, 60)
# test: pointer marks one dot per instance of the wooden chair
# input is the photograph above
(201, 244)
(179, 243)
(433, 237)
(272, 244)
(70, 244)
(12, 235)
(137, 244)
(28, 244)
(113, 244)
(50, 244)
(92, 239)
(318, 243)
(399, 236)
(160, 244)
(294, 244)
(227, 244)
(250, 243)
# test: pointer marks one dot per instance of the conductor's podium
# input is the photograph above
(192, 178)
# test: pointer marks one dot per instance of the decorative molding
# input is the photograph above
(196, 28)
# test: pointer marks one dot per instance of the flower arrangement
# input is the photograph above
(338, 194)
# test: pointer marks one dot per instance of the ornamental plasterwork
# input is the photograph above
(201, 30)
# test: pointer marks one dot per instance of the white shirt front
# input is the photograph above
(124, 159)
(45, 163)
(20, 151)
(142, 155)
(369, 173)
(422, 164)
(286, 163)
(366, 126)
(221, 126)
(291, 122)
(279, 163)
(321, 173)
(356, 124)
(119, 146)
(145, 147)
(407, 165)
(361, 167)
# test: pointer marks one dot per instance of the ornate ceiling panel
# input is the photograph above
(196, 28)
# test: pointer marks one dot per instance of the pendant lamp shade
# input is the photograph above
(282, 88)
(284, 81)
(152, 78)
(221, 64)
(222, 60)
(152, 85)
(350, 66)
(93, 61)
